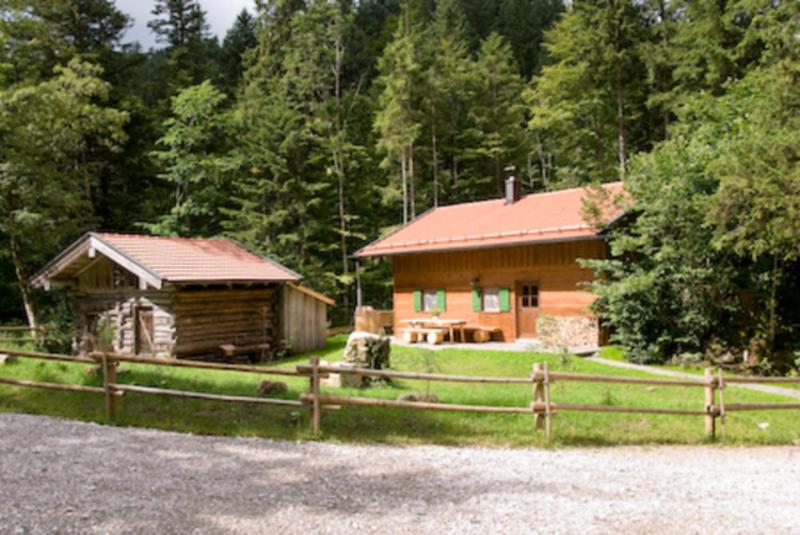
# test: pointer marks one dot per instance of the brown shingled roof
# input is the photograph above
(157, 260)
(543, 217)
(197, 259)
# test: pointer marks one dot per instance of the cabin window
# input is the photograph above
(491, 300)
(530, 296)
(430, 300)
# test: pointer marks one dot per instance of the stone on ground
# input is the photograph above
(367, 350)
(267, 388)
(426, 397)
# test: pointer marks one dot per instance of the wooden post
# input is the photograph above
(315, 403)
(359, 296)
(109, 377)
(548, 416)
(538, 393)
(710, 409)
(721, 386)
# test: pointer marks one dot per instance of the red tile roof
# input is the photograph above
(543, 217)
(196, 260)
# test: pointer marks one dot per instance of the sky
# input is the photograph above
(219, 13)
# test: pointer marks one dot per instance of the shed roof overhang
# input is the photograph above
(81, 255)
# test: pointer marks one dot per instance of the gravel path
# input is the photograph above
(69, 477)
(758, 387)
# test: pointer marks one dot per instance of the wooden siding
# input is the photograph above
(552, 267)
(304, 320)
(207, 318)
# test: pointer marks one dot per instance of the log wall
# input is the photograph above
(119, 308)
(207, 318)
(553, 267)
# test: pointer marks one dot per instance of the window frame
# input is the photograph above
(485, 292)
(433, 293)
(528, 296)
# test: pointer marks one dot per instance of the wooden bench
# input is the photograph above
(481, 334)
(230, 351)
(433, 336)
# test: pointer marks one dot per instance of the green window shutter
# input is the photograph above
(476, 300)
(441, 300)
(417, 300)
(505, 300)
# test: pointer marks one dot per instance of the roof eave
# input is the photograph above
(90, 243)
(588, 237)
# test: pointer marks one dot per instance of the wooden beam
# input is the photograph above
(202, 395)
(122, 260)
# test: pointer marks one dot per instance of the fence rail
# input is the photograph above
(112, 390)
(543, 408)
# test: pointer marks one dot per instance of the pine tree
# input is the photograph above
(195, 162)
(523, 23)
(447, 94)
(182, 26)
(240, 39)
(498, 117)
(179, 23)
(397, 120)
(591, 98)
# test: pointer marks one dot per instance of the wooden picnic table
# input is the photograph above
(450, 324)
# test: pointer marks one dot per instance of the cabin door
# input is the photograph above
(527, 309)
(145, 331)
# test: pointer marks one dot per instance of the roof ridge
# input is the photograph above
(154, 236)
(537, 194)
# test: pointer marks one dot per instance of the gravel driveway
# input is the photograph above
(68, 477)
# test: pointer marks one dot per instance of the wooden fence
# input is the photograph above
(542, 408)
(112, 390)
(29, 335)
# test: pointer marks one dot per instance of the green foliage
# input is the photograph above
(588, 105)
(317, 126)
(46, 132)
(497, 119)
(240, 39)
(717, 207)
(195, 161)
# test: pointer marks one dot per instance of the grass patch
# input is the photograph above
(353, 424)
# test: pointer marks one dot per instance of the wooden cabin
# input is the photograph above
(508, 267)
(184, 298)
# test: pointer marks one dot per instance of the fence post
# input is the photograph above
(548, 413)
(538, 394)
(315, 403)
(109, 377)
(721, 386)
(710, 409)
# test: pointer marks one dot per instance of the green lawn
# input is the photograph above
(403, 426)
(618, 354)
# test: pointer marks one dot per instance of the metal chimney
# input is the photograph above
(513, 190)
